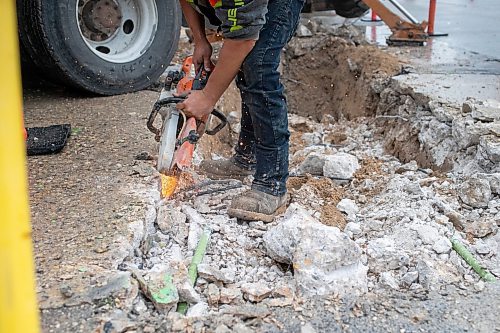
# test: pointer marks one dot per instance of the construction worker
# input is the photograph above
(255, 32)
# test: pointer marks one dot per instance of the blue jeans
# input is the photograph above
(264, 137)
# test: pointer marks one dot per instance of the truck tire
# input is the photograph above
(105, 47)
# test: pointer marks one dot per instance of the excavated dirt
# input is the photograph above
(334, 77)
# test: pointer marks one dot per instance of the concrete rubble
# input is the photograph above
(395, 210)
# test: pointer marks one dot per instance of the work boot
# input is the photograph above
(255, 205)
(224, 169)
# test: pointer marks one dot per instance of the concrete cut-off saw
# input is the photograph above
(179, 134)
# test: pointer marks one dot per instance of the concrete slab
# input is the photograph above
(454, 88)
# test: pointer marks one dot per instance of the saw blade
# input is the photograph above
(167, 141)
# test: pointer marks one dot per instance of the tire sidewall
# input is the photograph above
(90, 72)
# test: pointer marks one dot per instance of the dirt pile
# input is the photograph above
(330, 75)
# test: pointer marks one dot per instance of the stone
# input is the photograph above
(213, 294)
(387, 280)
(442, 245)
(348, 206)
(340, 166)
(313, 164)
(336, 267)
(194, 235)
(493, 179)
(213, 274)
(187, 293)
(383, 255)
(159, 287)
(488, 153)
(482, 227)
(303, 31)
(409, 278)
(488, 110)
(246, 312)
(475, 192)
(411, 166)
(172, 221)
(428, 234)
(353, 228)
(230, 295)
(427, 275)
(255, 292)
(242, 328)
(197, 310)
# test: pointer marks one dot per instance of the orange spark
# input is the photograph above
(168, 185)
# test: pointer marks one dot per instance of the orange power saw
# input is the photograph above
(179, 134)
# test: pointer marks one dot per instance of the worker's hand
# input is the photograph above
(202, 55)
(198, 105)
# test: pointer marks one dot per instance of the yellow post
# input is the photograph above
(18, 307)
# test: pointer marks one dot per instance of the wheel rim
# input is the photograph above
(117, 31)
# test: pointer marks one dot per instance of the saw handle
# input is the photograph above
(220, 126)
(156, 108)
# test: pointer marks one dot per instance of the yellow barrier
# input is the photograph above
(18, 307)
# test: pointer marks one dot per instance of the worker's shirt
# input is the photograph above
(237, 19)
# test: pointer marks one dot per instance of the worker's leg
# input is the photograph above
(262, 94)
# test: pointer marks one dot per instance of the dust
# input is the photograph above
(335, 78)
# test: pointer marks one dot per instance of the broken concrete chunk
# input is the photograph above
(213, 274)
(493, 179)
(383, 255)
(187, 293)
(348, 206)
(161, 290)
(340, 166)
(482, 227)
(475, 192)
(409, 278)
(230, 295)
(488, 110)
(427, 233)
(255, 292)
(325, 260)
(172, 221)
(303, 31)
(442, 245)
(213, 294)
(488, 153)
(313, 164)
(387, 279)
(197, 310)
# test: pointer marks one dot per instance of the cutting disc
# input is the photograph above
(168, 141)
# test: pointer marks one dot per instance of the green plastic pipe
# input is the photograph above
(467, 256)
(199, 253)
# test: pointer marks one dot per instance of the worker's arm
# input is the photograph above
(199, 104)
(202, 48)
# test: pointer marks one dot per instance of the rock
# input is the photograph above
(409, 278)
(179, 322)
(222, 329)
(353, 228)
(172, 221)
(313, 164)
(475, 192)
(303, 31)
(281, 241)
(426, 273)
(442, 245)
(307, 328)
(482, 227)
(411, 166)
(383, 255)
(242, 328)
(187, 293)
(428, 235)
(194, 235)
(488, 110)
(229, 295)
(255, 292)
(493, 179)
(213, 274)
(197, 310)
(387, 279)
(348, 206)
(341, 166)
(213, 294)
(246, 312)
(336, 267)
(159, 287)
(488, 152)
